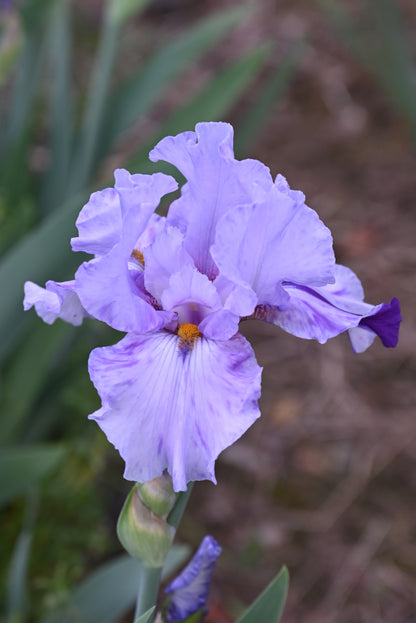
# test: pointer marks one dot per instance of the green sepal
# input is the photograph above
(158, 495)
(143, 534)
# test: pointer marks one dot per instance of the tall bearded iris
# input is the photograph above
(183, 384)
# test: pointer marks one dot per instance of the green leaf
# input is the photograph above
(120, 11)
(25, 374)
(17, 593)
(61, 118)
(268, 607)
(104, 596)
(211, 103)
(21, 467)
(382, 46)
(135, 98)
(35, 14)
(146, 617)
(111, 590)
(86, 148)
(44, 251)
(266, 100)
(177, 555)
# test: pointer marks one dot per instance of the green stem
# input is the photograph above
(150, 576)
(177, 511)
(148, 589)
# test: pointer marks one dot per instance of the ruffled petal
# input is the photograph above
(188, 592)
(215, 183)
(262, 245)
(106, 287)
(165, 408)
(99, 223)
(56, 300)
(323, 312)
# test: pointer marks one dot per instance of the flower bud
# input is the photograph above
(142, 533)
(158, 494)
(187, 594)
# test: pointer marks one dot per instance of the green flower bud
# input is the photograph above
(158, 495)
(142, 533)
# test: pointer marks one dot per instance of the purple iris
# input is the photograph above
(189, 591)
(183, 384)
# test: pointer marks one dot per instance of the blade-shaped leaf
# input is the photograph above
(21, 467)
(104, 596)
(268, 607)
(146, 617)
(110, 590)
(16, 590)
(121, 10)
(383, 48)
(26, 373)
(140, 92)
(55, 179)
(86, 147)
(266, 100)
(177, 555)
(43, 254)
(210, 104)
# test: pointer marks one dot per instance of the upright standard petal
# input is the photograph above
(260, 246)
(188, 592)
(216, 181)
(105, 285)
(165, 407)
(56, 300)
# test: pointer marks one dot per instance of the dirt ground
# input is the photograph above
(325, 481)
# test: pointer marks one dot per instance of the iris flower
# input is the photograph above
(188, 592)
(183, 383)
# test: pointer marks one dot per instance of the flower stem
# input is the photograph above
(177, 511)
(150, 576)
(148, 589)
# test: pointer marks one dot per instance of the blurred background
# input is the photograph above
(322, 92)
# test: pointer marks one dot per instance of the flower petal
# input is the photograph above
(153, 228)
(106, 287)
(163, 258)
(164, 408)
(383, 322)
(99, 223)
(259, 246)
(215, 183)
(219, 325)
(188, 592)
(323, 312)
(56, 300)
(191, 294)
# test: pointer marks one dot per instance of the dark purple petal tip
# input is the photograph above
(385, 323)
